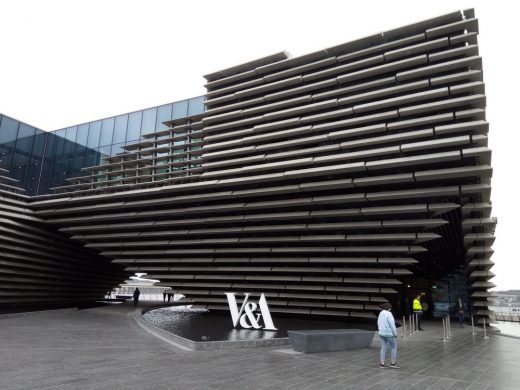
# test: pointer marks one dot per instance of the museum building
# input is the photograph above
(331, 182)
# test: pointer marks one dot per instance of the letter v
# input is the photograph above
(233, 307)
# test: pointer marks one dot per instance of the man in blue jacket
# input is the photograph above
(388, 335)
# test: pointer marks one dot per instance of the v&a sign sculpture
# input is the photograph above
(247, 315)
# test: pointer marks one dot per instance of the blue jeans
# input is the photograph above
(385, 341)
(461, 318)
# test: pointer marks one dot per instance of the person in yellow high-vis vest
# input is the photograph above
(417, 310)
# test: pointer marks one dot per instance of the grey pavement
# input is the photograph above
(104, 348)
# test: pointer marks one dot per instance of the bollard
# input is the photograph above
(411, 324)
(472, 326)
(485, 335)
(449, 325)
(415, 322)
(444, 329)
(404, 327)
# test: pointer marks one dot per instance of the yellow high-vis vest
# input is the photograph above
(416, 305)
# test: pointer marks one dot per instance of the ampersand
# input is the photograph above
(249, 315)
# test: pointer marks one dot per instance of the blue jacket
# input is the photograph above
(386, 324)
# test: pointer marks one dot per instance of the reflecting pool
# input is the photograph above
(204, 325)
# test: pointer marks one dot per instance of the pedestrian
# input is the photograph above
(164, 297)
(136, 296)
(387, 335)
(417, 310)
(460, 308)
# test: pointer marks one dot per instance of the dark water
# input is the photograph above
(202, 325)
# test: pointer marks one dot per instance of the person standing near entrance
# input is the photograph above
(136, 296)
(417, 310)
(460, 310)
(387, 335)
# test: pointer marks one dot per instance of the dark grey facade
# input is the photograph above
(331, 182)
(41, 267)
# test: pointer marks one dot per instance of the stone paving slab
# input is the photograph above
(104, 348)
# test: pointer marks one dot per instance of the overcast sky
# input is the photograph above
(68, 62)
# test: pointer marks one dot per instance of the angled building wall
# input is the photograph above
(331, 182)
(39, 266)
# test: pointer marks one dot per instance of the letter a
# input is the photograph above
(268, 321)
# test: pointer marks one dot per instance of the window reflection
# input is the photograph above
(41, 160)
(196, 105)
(164, 113)
(149, 117)
(82, 134)
(107, 129)
(134, 126)
(94, 131)
(120, 125)
(180, 109)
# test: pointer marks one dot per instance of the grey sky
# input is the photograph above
(67, 62)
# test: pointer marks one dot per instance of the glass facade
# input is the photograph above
(41, 160)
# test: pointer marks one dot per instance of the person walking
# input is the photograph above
(417, 310)
(136, 296)
(460, 309)
(387, 335)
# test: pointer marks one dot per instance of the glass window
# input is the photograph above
(68, 166)
(149, 116)
(70, 133)
(94, 131)
(116, 149)
(39, 145)
(70, 137)
(8, 130)
(25, 140)
(43, 186)
(120, 129)
(82, 135)
(164, 113)
(78, 163)
(57, 153)
(107, 128)
(105, 150)
(196, 105)
(180, 109)
(92, 158)
(68, 148)
(51, 138)
(60, 133)
(134, 126)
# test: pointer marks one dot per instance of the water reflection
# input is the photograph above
(202, 325)
(509, 328)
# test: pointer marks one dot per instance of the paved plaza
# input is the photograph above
(104, 348)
